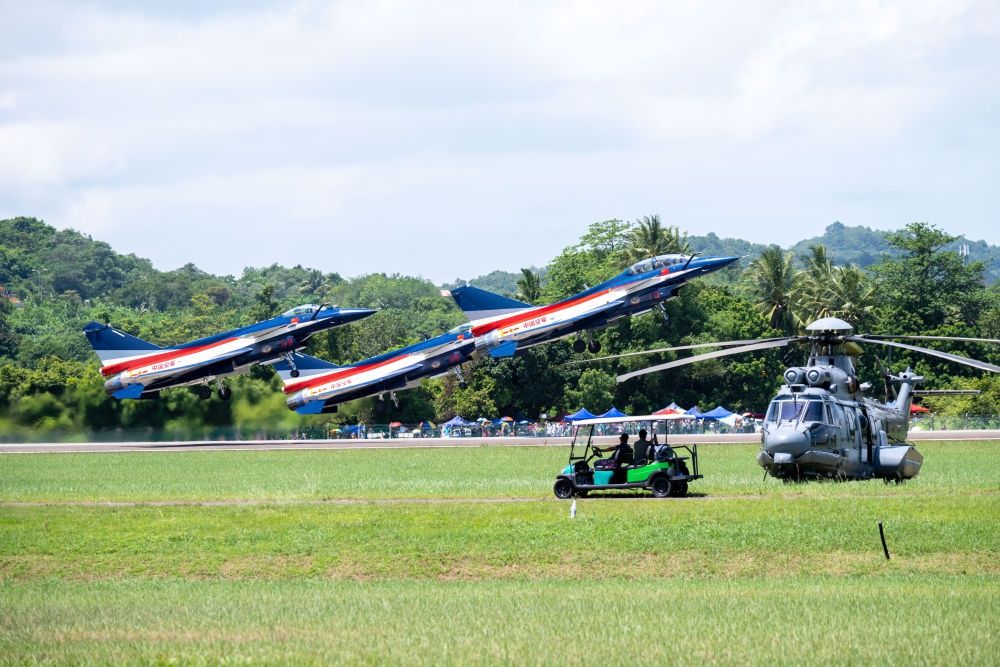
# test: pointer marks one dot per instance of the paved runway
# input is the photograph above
(421, 443)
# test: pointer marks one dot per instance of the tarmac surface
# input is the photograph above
(406, 443)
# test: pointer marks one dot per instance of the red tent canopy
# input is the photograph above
(914, 408)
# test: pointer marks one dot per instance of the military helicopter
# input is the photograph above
(821, 425)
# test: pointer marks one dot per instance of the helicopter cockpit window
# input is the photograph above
(792, 410)
(656, 263)
(304, 309)
(813, 411)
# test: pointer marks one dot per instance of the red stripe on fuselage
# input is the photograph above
(159, 358)
(532, 314)
(338, 374)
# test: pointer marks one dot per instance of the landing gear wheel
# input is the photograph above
(680, 489)
(579, 345)
(661, 486)
(225, 393)
(379, 407)
(463, 385)
(563, 488)
(202, 391)
(397, 406)
(594, 346)
(295, 373)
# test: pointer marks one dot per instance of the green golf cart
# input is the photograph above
(664, 471)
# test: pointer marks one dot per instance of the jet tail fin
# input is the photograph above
(303, 366)
(478, 304)
(113, 346)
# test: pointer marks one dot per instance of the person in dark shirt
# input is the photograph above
(622, 455)
(643, 448)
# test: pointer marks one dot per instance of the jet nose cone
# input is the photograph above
(346, 315)
(710, 264)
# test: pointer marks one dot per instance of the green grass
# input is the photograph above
(893, 619)
(415, 557)
(484, 472)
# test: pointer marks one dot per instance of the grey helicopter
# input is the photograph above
(822, 424)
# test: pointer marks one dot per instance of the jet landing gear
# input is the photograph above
(224, 392)
(462, 384)
(202, 391)
(380, 406)
(291, 362)
(591, 345)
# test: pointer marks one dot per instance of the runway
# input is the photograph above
(406, 443)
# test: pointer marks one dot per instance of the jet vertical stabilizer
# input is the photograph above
(478, 304)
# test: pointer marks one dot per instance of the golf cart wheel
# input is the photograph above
(661, 486)
(563, 488)
(680, 489)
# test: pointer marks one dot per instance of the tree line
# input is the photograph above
(50, 380)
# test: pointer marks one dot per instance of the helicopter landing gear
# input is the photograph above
(291, 362)
(579, 345)
(224, 392)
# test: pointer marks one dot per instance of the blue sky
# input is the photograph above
(450, 139)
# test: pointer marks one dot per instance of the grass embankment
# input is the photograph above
(324, 563)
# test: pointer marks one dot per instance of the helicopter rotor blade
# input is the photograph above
(960, 339)
(958, 359)
(669, 349)
(764, 345)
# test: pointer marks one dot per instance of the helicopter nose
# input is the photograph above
(786, 444)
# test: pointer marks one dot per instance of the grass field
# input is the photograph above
(464, 556)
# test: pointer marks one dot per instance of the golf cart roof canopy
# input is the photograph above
(623, 420)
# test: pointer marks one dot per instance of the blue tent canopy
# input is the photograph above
(718, 412)
(582, 413)
(693, 411)
(456, 421)
(353, 428)
(613, 412)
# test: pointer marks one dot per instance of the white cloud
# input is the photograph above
(398, 128)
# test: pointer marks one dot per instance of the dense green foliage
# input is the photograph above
(50, 384)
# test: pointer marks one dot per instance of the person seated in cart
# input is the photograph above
(643, 449)
(621, 456)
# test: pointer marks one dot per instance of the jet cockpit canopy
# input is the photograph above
(304, 309)
(656, 263)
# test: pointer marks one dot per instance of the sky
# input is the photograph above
(449, 139)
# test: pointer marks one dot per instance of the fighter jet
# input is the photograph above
(136, 368)
(322, 386)
(503, 326)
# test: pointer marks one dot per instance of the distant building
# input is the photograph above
(11, 297)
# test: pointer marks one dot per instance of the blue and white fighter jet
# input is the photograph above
(321, 386)
(503, 326)
(136, 368)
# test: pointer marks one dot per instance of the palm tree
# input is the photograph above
(774, 281)
(650, 238)
(529, 286)
(314, 282)
(813, 295)
(855, 296)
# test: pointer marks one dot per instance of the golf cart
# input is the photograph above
(665, 473)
